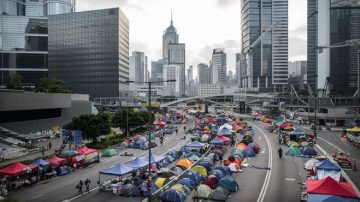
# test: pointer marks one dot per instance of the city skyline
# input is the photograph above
(148, 19)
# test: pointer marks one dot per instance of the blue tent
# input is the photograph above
(40, 162)
(136, 163)
(218, 174)
(309, 151)
(117, 170)
(224, 169)
(224, 131)
(229, 183)
(144, 188)
(194, 176)
(139, 145)
(195, 144)
(172, 196)
(174, 154)
(154, 158)
(328, 198)
(216, 141)
(184, 150)
(205, 164)
(187, 182)
(249, 152)
(194, 153)
(297, 132)
(327, 165)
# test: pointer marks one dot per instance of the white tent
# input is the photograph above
(227, 126)
(310, 164)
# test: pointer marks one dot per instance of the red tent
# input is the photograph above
(85, 150)
(55, 161)
(283, 124)
(16, 169)
(329, 186)
(223, 138)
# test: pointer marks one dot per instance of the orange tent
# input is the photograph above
(185, 163)
(228, 162)
(262, 119)
(241, 146)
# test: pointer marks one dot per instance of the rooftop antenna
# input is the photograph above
(171, 22)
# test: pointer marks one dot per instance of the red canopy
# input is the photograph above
(55, 161)
(85, 150)
(329, 186)
(223, 138)
(15, 169)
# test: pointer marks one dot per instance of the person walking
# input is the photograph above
(43, 151)
(280, 151)
(87, 184)
(80, 186)
(50, 145)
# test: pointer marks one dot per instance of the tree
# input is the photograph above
(135, 118)
(15, 82)
(52, 85)
(91, 125)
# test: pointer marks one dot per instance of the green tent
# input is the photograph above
(275, 121)
(293, 152)
(151, 136)
(67, 153)
(203, 191)
(110, 152)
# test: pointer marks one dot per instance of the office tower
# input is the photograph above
(169, 37)
(297, 68)
(157, 70)
(90, 51)
(266, 70)
(190, 75)
(171, 72)
(201, 68)
(333, 22)
(218, 66)
(24, 37)
(138, 67)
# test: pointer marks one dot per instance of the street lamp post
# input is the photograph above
(315, 110)
(149, 132)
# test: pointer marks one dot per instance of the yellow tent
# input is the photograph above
(185, 163)
(180, 188)
(356, 130)
(160, 182)
(201, 170)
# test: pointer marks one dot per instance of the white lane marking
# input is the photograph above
(300, 174)
(259, 138)
(40, 195)
(289, 179)
(268, 172)
(336, 147)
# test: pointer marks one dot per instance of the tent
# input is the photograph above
(56, 161)
(160, 182)
(255, 147)
(327, 169)
(136, 163)
(193, 158)
(195, 144)
(310, 164)
(354, 130)
(225, 126)
(154, 158)
(224, 169)
(85, 150)
(223, 138)
(229, 183)
(211, 182)
(187, 182)
(237, 152)
(194, 176)
(234, 167)
(170, 158)
(130, 190)
(117, 170)
(218, 173)
(249, 152)
(219, 194)
(293, 144)
(184, 163)
(241, 146)
(174, 154)
(181, 188)
(330, 186)
(67, 153)
(201, 170)
(206, 164)
(194, 153)
(328, 198)
(308, 152)
(184, 150)
(177, 170)
(292, 151)
(297, 132)
(275, 121)
(224, 131)
(247, 140)
(40, 162)
(203, 191)
(166, 172)
(172, 195)
(216, 141)
(110, 152)
(283, 124)
(16, 169)
(204, 138)
(144, 187)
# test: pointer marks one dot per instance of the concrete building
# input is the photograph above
(297, 68)
(218, 66)
(210, 89)
(169, 37)
(190, 74)
(138, 67)
(177, 57)
(201, 76)
(172, 71)
(332, 22)
(268, 69)
(157, 70)
(90, 51)
(24, 38)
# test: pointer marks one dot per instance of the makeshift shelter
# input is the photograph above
(195, 144)
(117, 170)
(249, 152)
(172, 195)
(67, 154)
(296, 133)
(110, 152)
(56, 161)
(218, 173)
(229, 183)
(136, 163)
(308, 152)
(310, 164)
(329, 198)
(160, 182)
(329, 186)
(216, 141)
(203, 191)
(181, 188)
(154, 158)
(219, 194)
(16, 169)
(40, 162)
(223, 138)
(326, 169)
(211, 182)
(184, 163)
(187, 182)
(194, 176)
(201, 170)
(224, 169)
(292, 151)
(130, 190)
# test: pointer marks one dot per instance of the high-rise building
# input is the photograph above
(89, 51)
(201, 68)
(218, 66)
(332, 22)
(157, 70)
(138, 67)
(24, 37)
(172, 72)
(169, 37)
(268, 68)
(190, 74)
(297, 68)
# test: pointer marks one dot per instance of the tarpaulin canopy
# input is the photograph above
(297, 132)
(40, 162)
(56, 160)
(330, 186)
(328, 198)
(223, 138)
(16, 169)
(327, 165)
(154, 158)
(117, 170)
(195, 144)
(136, 163)
(216, 141)
(85, 150)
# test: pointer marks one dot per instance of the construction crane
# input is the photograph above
(347, 43)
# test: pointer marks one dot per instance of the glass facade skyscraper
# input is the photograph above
(89, 51)
(24, 37)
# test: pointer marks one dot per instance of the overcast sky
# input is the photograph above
(201, 24)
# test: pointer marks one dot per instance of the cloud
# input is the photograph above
(83, 5)
(297, 48)
(225, 3)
